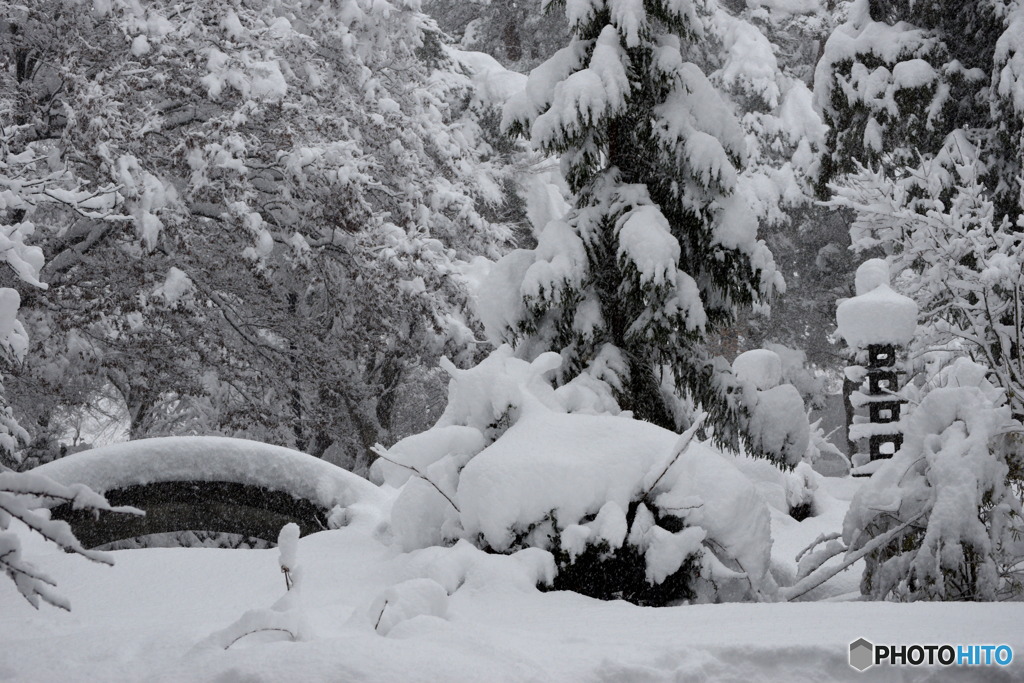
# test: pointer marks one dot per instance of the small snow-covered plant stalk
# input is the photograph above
(677, 451)
(284, 616)
(383, 454)
(288, 545)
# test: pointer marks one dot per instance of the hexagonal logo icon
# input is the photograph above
(862, 654)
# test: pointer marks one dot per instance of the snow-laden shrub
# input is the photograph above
(778, 420)
(948, 489)
(626, 508)
(483, 402)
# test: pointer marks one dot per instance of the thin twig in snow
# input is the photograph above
(381, 452)
(259, 630)
(823, 574)
(381, 615)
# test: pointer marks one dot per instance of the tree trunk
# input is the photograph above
(849, 387)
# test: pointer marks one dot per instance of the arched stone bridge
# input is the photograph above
(205, 483)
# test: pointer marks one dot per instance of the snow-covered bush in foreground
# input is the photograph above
(628, 509)
(948, 486)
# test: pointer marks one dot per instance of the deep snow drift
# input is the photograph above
(402, 593)
(452, 614)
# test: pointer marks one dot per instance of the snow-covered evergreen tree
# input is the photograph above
(660, 245)
(898, 78)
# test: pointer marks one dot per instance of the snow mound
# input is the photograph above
(407, 600)
(514, 465)
(465, 568)
(871, 274)
(881, 316)
(483, 401)
(778, 421)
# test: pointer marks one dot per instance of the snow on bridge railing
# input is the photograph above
(223, 472)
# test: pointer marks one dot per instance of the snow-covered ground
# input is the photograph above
(151, 615)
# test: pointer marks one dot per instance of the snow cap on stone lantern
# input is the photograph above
(877, 315)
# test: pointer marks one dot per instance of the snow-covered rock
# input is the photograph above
(407, 600)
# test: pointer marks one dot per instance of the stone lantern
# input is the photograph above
(877, 324)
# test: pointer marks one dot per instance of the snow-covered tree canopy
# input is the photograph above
(294, 183)
(29, 181)
(660, 246)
